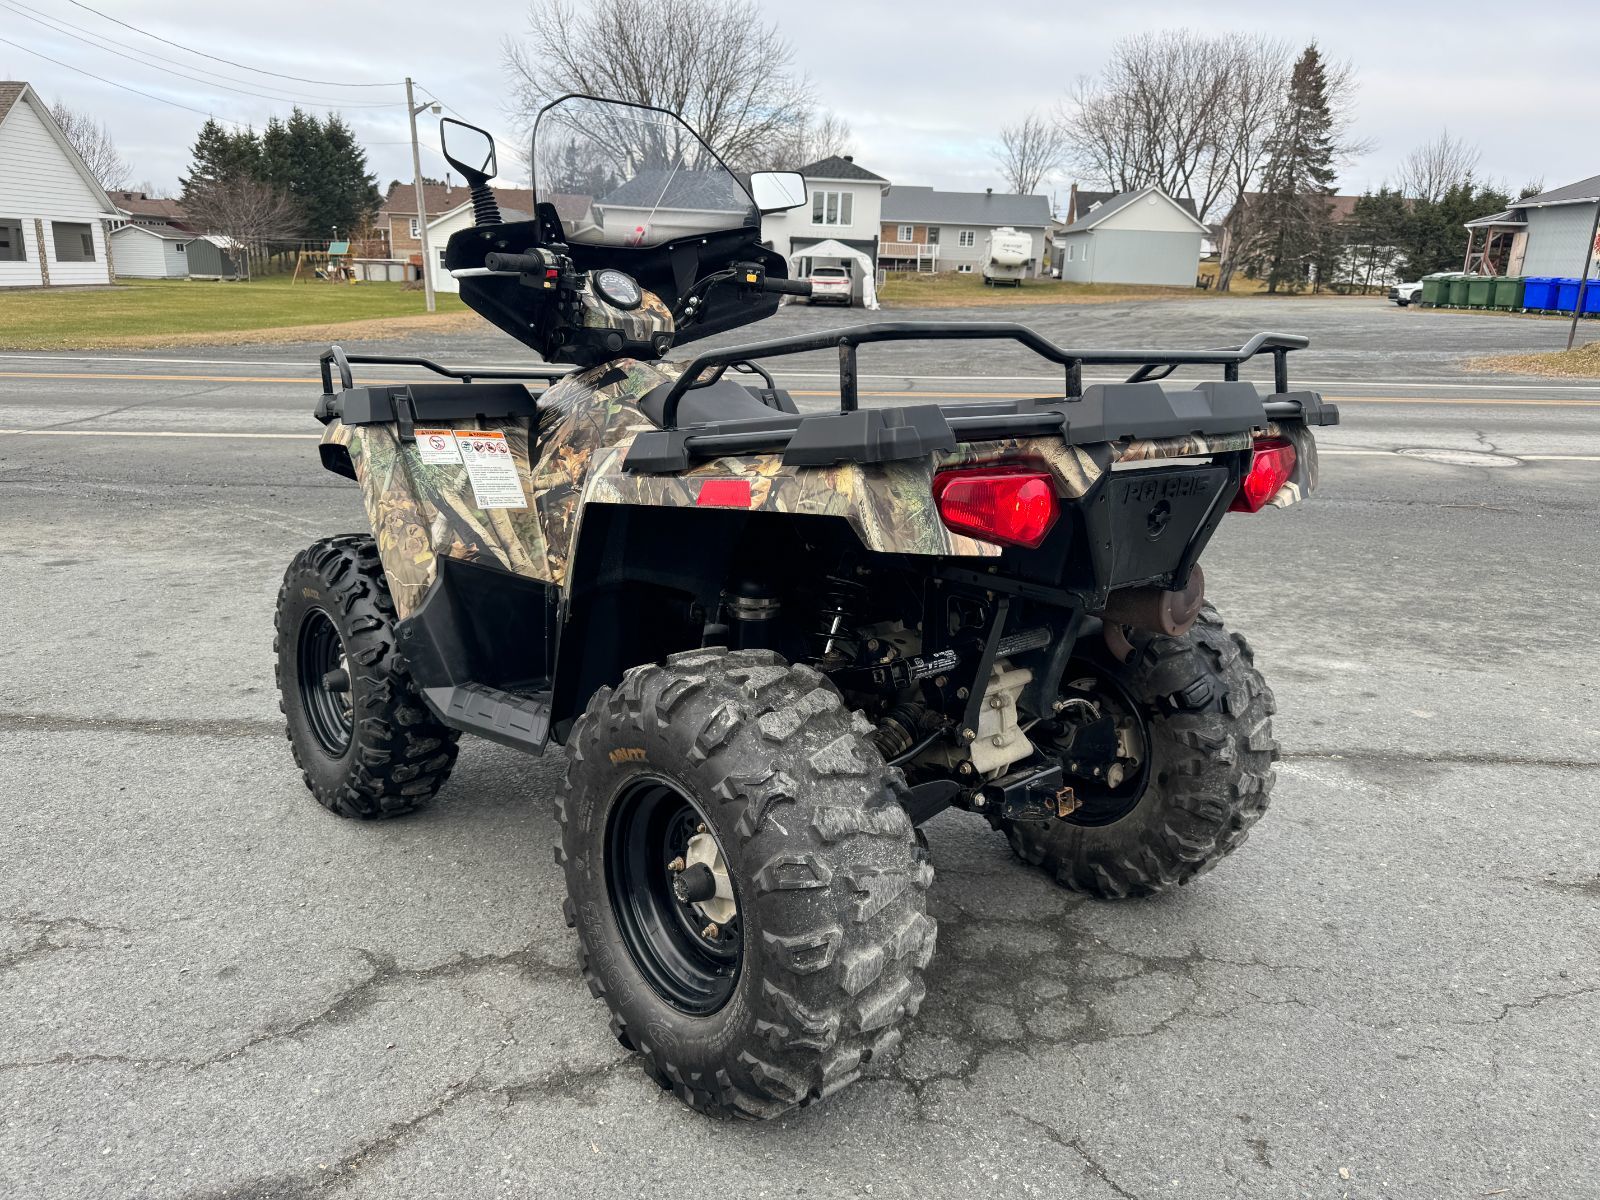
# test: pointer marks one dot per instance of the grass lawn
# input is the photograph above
(903, 289)
(1581, 362)
(175, 312)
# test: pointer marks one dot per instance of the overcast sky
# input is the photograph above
(925, 85)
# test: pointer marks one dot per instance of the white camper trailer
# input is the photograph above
(1006, 257)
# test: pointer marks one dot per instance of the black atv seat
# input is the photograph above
(723, 400)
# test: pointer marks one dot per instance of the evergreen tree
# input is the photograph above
(1379, 229)
(1292, 233)
(353, 195)
(1437, 241)
(219, 156)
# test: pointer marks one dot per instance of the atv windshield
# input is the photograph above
(625, 175)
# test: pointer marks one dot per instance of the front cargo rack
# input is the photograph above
(1135, 408)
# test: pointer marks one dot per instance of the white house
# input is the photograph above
(844, 210)
(53, 213)
(150, 252)
(1137, 237)
(441, 227)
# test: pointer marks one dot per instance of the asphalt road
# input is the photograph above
(211, 987)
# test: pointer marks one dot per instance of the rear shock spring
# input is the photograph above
(835, 637)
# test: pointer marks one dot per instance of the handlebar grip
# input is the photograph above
(497, 260)
(787, 287)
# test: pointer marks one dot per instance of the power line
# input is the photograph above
(96, 42)
(230, 62)
(114, 83)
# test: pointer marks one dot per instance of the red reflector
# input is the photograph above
(552, 273)
(724, 493)
(997, 504)
(1270, 469)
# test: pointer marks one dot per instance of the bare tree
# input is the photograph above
(820, 135)
(94, 145)
(1029, 153)
(248, 212)
(1433, 168)
(717, 63)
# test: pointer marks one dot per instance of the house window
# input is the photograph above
(441, 261)
(1070, 251)
(415, 232)
(183, 247)
(12, 248)
(963, 268)
(74, 242)
(967, 237)
(831, 208)
(933, 235)
(907, 233)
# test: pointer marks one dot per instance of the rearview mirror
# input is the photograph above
(778, 191)
(469, 150)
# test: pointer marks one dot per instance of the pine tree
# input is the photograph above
(219, 156)
(1292, 217)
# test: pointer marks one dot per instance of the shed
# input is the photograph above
(1142, 237)
(214, 257)
(1555, 239)
(150, 252)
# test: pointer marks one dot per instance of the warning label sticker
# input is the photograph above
(438, 447)
(491, 467)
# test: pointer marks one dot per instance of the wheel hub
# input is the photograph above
(704, 853)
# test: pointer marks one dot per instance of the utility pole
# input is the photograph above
(1589, 252)
(412, 109)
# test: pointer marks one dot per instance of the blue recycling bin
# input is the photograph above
(1591, 299)
(1566, 295)
(1538, 293)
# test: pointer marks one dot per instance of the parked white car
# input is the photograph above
(1405, 293)
(831, 285)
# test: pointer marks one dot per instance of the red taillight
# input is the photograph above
(1270, 469)
(724, 493)
(997, 504)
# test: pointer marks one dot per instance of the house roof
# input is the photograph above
(1508, 217)
(1585, 190)
(840, 166)
(1340, 208)
(661, 187)
(1083, 201)
(167, 232)
(137, 204)
(1118, 203)
(965, 208)
(13, 90)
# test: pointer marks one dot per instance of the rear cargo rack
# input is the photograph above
(1136, 408)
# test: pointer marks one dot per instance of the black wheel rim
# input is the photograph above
(1100, 804)
(328, 712)
(650, 825)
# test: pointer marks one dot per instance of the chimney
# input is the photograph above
(850, 158)
(988, 191)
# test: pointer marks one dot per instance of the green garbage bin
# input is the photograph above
(1480, 291)
(1434, 287)
(1458, 290)
(1508, 292)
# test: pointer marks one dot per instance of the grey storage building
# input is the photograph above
(1142, 237)
(1558, 225)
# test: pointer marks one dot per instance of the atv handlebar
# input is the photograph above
(786, 287)
(497, 260)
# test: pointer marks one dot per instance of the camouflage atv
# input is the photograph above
(772, 643)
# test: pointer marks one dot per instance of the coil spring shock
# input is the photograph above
(835, 635)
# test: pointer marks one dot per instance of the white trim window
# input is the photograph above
(74, 241)
(967, 238)
(416, 234)
(12, 246)
(963, 268)
(832, 208)
(908, 233)
(1071, 251)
